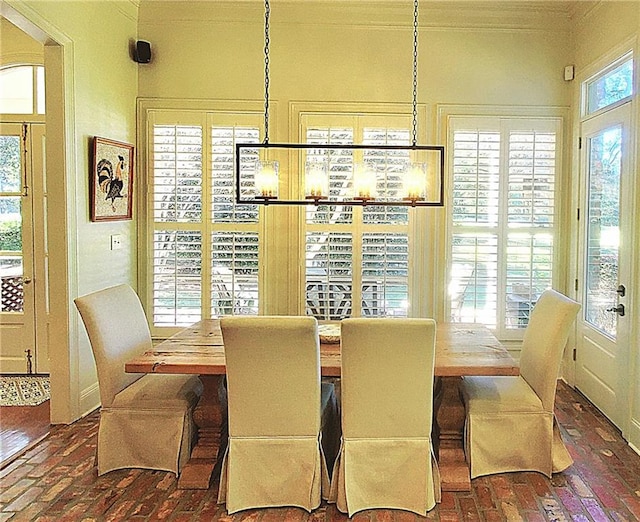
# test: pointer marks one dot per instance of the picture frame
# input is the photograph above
(111, 184)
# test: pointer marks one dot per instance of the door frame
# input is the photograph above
(619, 114)
(61, 154)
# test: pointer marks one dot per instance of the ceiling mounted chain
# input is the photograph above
(267, 13)
(415, 72)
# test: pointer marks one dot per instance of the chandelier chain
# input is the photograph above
(415, 72)
(267, 12)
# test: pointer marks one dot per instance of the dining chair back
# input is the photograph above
(544, 340)
(145, 420)
(510, 422)
(274, 456)
(386, 457)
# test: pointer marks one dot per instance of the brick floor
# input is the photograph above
(57, 481)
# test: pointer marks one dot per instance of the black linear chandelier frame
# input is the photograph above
(252, 148)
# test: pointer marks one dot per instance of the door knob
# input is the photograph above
(26, 280)
(617, 309)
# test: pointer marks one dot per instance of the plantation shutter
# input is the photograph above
(204, 246)
(502, 219)
(234, 237)
(356, 258)
(177, 219)
(530, 222)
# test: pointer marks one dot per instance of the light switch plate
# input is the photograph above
(116, 241)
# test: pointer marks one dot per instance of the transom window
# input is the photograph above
(611, 86)
(22, 89)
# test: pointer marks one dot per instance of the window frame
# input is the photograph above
(562, 200)
(417, 229)
(203, 114)
(584, 86)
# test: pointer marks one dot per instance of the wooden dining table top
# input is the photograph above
(461, 349)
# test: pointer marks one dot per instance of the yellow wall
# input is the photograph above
(91, 92)
(348, 52)
(16, 47)
(602, 27)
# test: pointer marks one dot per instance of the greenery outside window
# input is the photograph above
(610, 87)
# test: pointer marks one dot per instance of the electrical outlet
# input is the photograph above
(116, 241)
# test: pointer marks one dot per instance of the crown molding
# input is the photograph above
(435, 14)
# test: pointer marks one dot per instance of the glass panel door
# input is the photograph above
(18, 352)
(604, 279)
(603, 228)
(11, 255)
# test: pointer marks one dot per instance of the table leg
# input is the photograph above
(450, 417)
(210, 417)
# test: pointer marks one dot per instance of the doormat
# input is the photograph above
(23, 390)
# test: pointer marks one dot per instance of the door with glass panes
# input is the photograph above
(22, 256)
(605, 262)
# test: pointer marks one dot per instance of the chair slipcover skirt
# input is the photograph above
(520, 436)
(396, 474)
(249, 460)
(149, 424)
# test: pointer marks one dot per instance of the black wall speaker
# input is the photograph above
(142, 52)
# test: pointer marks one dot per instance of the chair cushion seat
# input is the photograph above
(503, 394)
(159, 392)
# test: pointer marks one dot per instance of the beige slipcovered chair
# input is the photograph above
(145, 420)
(386, 458)
(510, 424)
(275, 454)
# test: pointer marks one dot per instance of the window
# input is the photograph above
(22, 89)
(357, 258)
(502, 219)
(611, 86)
(204, 246)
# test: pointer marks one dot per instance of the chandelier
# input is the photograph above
(341, 174)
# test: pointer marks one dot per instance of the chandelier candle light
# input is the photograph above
(258, 165)
(415, 182)
(316, 179)
(365, 182)
(267, 179)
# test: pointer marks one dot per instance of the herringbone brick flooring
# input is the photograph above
(57, 481)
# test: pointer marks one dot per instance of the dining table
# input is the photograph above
(462, 349)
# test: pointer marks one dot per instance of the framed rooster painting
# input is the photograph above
(111, 187)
